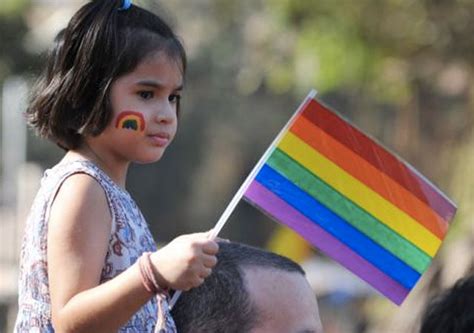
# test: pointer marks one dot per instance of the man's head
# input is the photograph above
(452, 311)
(250, 290)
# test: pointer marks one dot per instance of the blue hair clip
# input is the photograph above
(126, 5)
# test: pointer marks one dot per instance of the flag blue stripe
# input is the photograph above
(338, 227)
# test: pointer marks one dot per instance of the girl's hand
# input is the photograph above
(186, 261)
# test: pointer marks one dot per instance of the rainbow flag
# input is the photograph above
(352, 199)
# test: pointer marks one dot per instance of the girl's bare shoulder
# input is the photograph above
(81, 200)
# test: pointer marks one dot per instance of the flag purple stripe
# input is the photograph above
(323, 216)
(258, 195)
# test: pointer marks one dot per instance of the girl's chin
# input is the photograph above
(149, 159)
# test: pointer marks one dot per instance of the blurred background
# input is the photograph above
(401, 70)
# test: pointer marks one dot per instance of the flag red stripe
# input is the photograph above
(379, 157)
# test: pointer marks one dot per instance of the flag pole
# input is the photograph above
(235, 200)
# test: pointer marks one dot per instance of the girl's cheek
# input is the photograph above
(131, 120)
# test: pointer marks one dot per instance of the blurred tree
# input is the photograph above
(12, 7)
(14, 57)
(402, 70)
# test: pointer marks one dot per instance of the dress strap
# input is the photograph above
(63, 171)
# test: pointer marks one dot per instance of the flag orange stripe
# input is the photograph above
(359, 193)
(379, 157)
(369, 175)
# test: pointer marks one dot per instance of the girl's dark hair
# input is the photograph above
(100, 44)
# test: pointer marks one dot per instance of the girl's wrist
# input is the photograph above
(155, 264)
(152, 280)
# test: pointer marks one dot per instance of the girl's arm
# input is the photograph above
(78, 236)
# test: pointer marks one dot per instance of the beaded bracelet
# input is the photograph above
(148, 277)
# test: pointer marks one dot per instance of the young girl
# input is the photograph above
(110, 96)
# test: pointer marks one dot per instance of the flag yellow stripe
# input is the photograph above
(360, 194)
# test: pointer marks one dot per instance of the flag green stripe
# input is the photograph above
(359, 193)
(346, 209)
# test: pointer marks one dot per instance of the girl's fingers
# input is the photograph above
(223, 240)
(205, 273)
(209, 261)
(210, 247)
(207, 245)
(197, 282)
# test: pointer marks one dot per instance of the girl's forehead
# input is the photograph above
(158, 66)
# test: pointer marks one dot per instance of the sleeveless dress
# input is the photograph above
(130, 237)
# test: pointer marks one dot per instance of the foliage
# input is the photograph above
(401, 70)
(12, 7)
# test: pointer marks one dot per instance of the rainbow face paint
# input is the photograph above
(131, 120)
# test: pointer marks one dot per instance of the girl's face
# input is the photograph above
(144, 107)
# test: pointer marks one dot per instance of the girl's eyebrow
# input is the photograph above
(156, 85)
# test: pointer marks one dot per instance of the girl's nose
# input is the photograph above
(166, 112)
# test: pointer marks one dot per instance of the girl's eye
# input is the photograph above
(146, 94)
(175, 98)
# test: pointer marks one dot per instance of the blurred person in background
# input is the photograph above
(452, 311)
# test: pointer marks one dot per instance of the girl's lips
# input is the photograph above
(160, 139)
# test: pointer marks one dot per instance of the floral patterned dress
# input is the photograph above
(129, 238)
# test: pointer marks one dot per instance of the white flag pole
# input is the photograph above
(235, 200)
